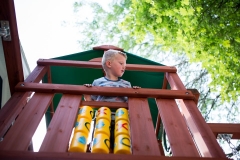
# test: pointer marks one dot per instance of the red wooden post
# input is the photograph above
(18, 100)
(20, 134)
(178, 135)
(60, 127)
(143, 138)
(202, 134)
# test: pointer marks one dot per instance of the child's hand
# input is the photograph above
(136, 87)
(88, 85)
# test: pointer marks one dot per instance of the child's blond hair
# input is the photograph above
(109, 55)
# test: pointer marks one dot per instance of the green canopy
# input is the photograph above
(80, 76)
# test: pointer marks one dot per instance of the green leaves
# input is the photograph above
(207, 31)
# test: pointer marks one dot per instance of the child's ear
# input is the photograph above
(108, 64)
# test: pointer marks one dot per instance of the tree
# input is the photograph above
(207, 31)
(104, 27)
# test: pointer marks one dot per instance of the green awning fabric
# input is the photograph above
(80, 76)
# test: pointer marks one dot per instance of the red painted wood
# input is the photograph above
(107, 91)
(177, 132)
(202, 134)
(88, 156)
(143, 138)
(107, 47)
(18, 100)
(196, 94)
(11, 110)
(164, 86)
(226, 128)
(87, 64)
(61, 125)
(37, 74)
(20, 134)
(11, 48)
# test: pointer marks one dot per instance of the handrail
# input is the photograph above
(88, 64)
(106, 91)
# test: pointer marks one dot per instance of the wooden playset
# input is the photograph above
(189, 136)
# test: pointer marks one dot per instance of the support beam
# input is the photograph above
(143, 138)
(202, 134)
(61, 126)
(179, 137)
(106, 91)
(89, 156)
(11, 48)
(87, 64)
(226, 128)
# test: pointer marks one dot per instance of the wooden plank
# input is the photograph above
(37, 74)
(87, 64)
(18, 100)
(88, 156)
(201, 132)
(60, 127)
(49, 77)
(196, 95)
(107, 91)
(226, 128)
(164, 86)
(143, 138)
(98, 104)
(11, 110)
(174, 124)
(107, 47)
(19, 136)
(11, 48)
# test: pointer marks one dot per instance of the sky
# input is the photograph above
(43, 34)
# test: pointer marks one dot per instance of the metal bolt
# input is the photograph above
(22, 84)
(186, 93)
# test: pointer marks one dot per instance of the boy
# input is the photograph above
(114, 64)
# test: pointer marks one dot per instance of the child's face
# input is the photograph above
(117, 66)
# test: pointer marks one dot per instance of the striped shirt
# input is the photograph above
(104, 82)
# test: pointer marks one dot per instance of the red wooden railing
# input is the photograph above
(189, 135)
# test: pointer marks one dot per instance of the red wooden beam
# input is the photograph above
(88, 64)
(89, 156)
(143, 138)
(18, 100)
(226, 128)
(60, 127)
(196, 94)
(11, 48)
(106, 91)
(202, 134)
(19, 136)
(181, 142)
(107, 47)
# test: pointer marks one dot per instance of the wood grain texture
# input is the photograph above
(226, 128)
(19, 136)
(88, 156)
(11, 48)
(178, 135)
(11, 110)
(201, 132)
(61, 125)
(37, 74)
(18, 100)
(86, 64)
(106, 91)
(143, 138)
